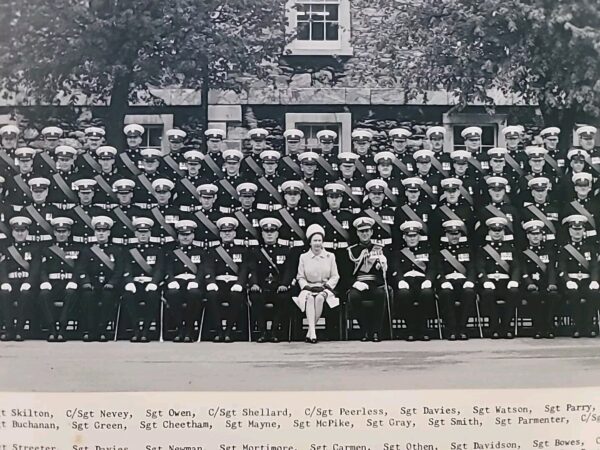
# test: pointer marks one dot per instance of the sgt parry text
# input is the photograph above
(567, 419)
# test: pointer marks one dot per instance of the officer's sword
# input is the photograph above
(117, 322)
(161, 319)
(478, 318)
(387, 302)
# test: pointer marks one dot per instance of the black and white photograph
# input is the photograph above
(300, 195)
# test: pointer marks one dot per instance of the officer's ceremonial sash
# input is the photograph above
(20, 182)
(541, 216)
(37, 217)
(49, 161)
(146, 183)
(377, 218)
(403, 167)
(92, 162)
(596, 167)
(129, 164)
(438, 166)
(255, 168)
(428, 190)
(18, 258)
(62, 255)
(289, 220)
(584, 212)
(348, 191)
(246, 223)
(475, 163)
(229, 188)
(449, 213)
(292, 165)
(578, 256)
(271, 190)
(187, 262)
(413, 216)
(269, 259)
(413, 259)
(497, 258)
(105, 187)
(497, 213)
(137, 256)
(190, 187)
(337, 226)
(536, 259)
(552, 162)
(311, 193)
(123, 218)
(454, 262)
(466, 195)
(362, 169)
(389, 194)
(512, 162)
(227, 259)
(173, 165)
(64, 187)
(8, 160)
(212, 165)
(326, 166)
(83, 216)
(207, 223)
(102, 256)
(163, 222)
(4, 229)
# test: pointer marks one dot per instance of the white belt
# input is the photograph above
(366, 277)
(142, 279)
(455, 276)
(335, 245)
(18, 275)
(591, 233)
(290, 243)
(185, 276)
(117, 240)
(550, 237)
(39, 237)
(315, 209)
(84, 239)
(267, 207)
(158, 240)
(499, 276)
(145, 205)
(383, 242)
(60, 276)
(226, 278)
(210, 243)
(64, 205)
(186, 208)
(579, 276)
(225, 209)
(414, 273)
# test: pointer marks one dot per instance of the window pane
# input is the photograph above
(303, 31)
(154, 136)
(332, 12)
(331, 32)
(318, 31)
(310, 134)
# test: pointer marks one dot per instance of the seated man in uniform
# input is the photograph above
(57, 280)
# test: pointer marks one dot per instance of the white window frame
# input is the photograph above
(343, 119)
(341, 47)
(166, 120)
(473, 120)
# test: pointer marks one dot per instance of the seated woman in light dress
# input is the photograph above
(317, 278)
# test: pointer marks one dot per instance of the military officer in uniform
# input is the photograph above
(19, 274)
(133, 133)
(41, 212)
(143, 195)
(213, 160)
(247, 215)
(379, 210)
(336, 221)
(550, 136)
(514, 146)
(414, 208)
(272, 271)
(452, 206)
(312, 181)
(227, 291)
(123, 213)
(385, 172)
(250, 165)
(499, 205)
(365, 267)
(82, 231)
(498, 167)
(541, 207)
(106, 176)
(58, 278)
(326, 139)
(99, 275)
(361, 145)
(455, 279)
(144, 274)
(189, 277)
(293, 140)
(185, 195)
(207, 233)
(295, 219)
(538, 167)
(461, 170)
(268, 196)
(258, 140)
(578, 163)
(94, 139)
(578, 271)
(164, 214)
(9, 138)
(539, 283)
(581, 201)
(499, 274)
(61, 193)
(586, 136)
(176, 144)
(50, 140)
(436, 136)
(18, 193)
(405, 162)
(431, 178)
(413, 276)
(351, 180)
(227, 195)
(472, 139)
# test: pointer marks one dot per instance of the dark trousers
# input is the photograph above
(369, 307)
(14, 304)
(456, 305)
(269, 304)
(583, 304)
(184, 305)
(415, 305)
(543, 304)
(57, 319)
(224, 305)
(99, 307)
(499, 305)
(141, 306)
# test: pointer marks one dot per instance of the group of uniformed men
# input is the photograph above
(182, 230)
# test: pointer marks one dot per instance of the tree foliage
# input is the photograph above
(545, 51)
